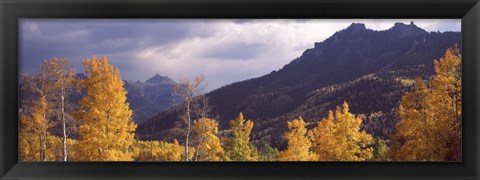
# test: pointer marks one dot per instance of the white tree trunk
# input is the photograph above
(65, 154)
(188, 130)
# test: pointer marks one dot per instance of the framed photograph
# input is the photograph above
(247, 89)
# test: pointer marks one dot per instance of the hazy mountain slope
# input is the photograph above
(146, 99)
(151, 97)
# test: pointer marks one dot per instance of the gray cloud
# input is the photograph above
(224, 51)
(78, 39)
(235, 52)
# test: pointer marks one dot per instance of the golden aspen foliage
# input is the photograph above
(27, 149)
(417, 127)
(55, 148)
(29, 146)
(239, 148)
(354, 143)
(338, 137)
(71, 151)
(33, 132)
(208, 147)
(446, 94)
(106, 129)
(298, 148)
(324, 142)
(157, 151)
(429, 128)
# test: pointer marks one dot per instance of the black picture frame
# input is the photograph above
(13, 10)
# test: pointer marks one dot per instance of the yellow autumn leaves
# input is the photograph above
(430, 116)
(298, 143)
(106, 129)
(335, 138)
(207, 144)
(209, 147)
(156, 151)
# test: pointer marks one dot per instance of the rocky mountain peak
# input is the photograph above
(158, 79)
(410, 29)
(356, 26)
(399, 24)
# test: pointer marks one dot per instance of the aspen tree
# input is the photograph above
(209, 147)
(446, 88)
(339, 138)
(239, 147)
(298, 143)
(63, 77)
(430, 116)
(106, 129)
(189, 90)
(32, 133)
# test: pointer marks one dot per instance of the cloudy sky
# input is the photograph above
(225, 51)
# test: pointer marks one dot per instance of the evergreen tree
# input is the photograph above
(380, 152)
(267, 152)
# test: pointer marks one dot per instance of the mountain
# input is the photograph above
(151, 97)
(367, 68)
(157, 79)
(146, 99)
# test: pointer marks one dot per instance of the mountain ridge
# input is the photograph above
(158, 79)
(150, 97)
(401, 52)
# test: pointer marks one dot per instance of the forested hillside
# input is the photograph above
(369, 69)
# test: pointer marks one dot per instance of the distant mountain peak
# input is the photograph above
(357, 26)
(407, 28)
(400, 24)
(158, 79)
